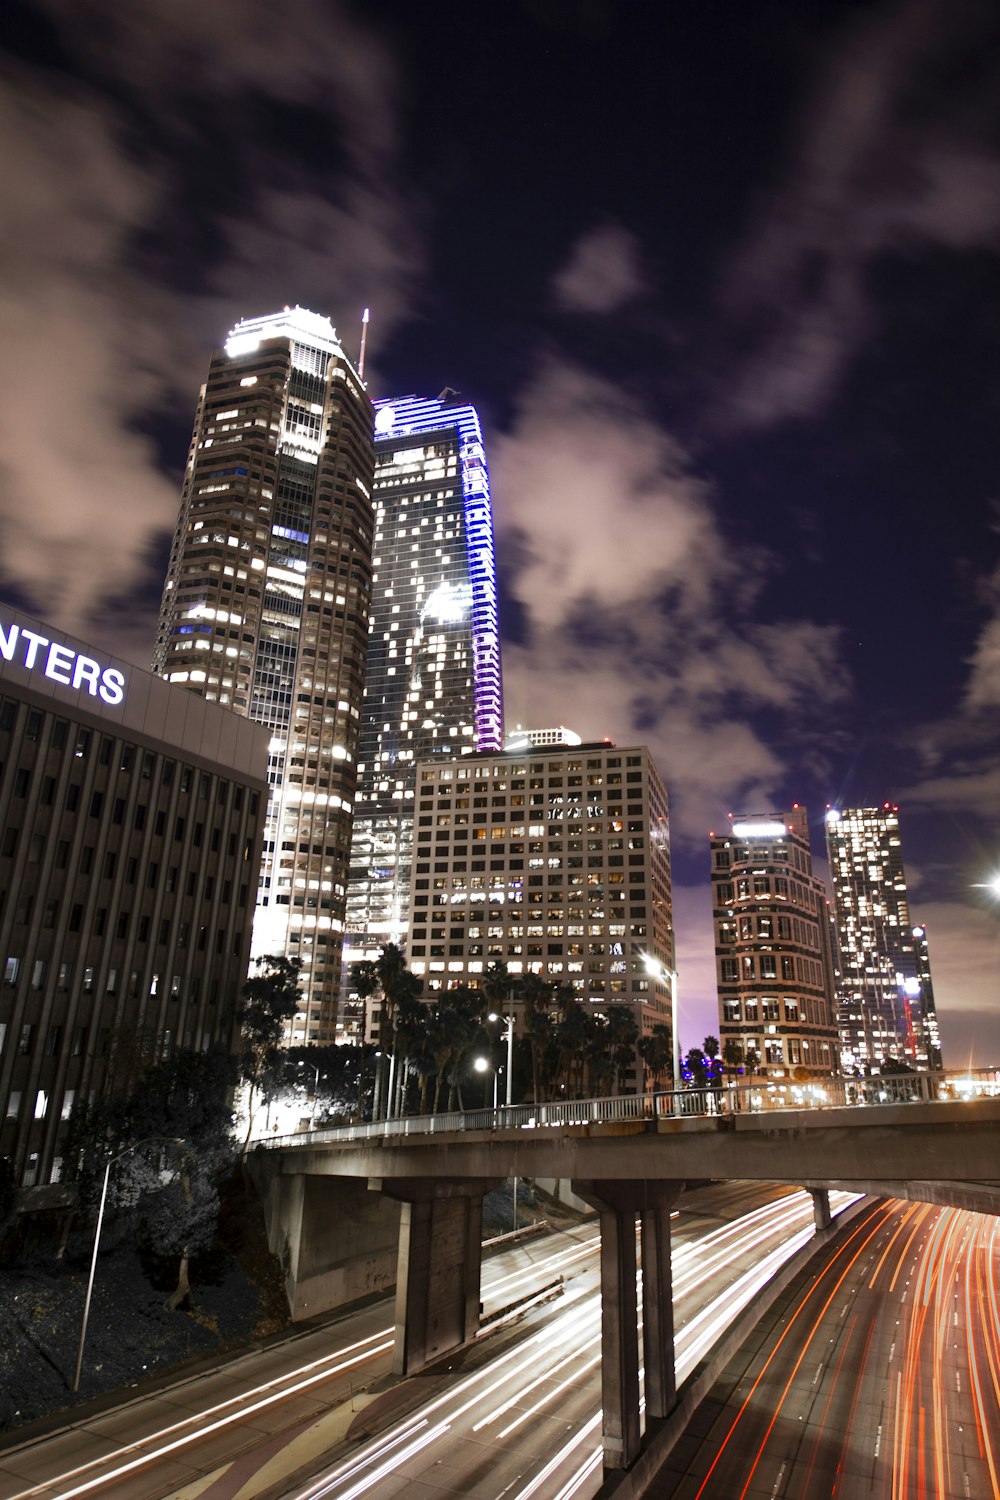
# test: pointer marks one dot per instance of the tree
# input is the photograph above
(622, 1037)
(270, 1000)
(656, 1051)
(389, 977)
(694, 1062)
(170, 1142)
(574, 1033)
(710, 1047)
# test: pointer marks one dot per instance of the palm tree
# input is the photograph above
(656, 1051)
(386, 975)
(537, 997)
(695, 1064)
(710, 1047)
(573, 1034)
(622, 1036)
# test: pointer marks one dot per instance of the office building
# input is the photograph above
(884, 992)
(433, 685)
(555, 861)
(265, 610)
(772, 949)
(130, 827)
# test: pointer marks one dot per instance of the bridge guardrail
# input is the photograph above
(752, 1098)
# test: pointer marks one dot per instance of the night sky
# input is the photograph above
(724, 283)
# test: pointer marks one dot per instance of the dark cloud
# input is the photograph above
(614, 528)
(109, 177)
(892, 157)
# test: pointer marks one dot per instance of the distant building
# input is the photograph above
(884, 991)
(772, 951)
(556, 861)
(265, 610)
(130, 825)
(433, 684)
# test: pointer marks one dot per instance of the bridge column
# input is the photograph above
(618, 1203)
(438, 1269)
(822, 1216)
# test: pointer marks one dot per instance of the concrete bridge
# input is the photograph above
(353, 1211)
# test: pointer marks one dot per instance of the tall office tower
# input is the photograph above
(555, 860)
(884, 991)
(265, 609)
(433, 686)
(772, 947)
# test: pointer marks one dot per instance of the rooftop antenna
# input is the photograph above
(364, 339)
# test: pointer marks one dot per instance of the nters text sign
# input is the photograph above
(61, 663)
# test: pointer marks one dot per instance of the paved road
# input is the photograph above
(517, 1415)
(877, 1374)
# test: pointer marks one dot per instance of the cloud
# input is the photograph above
(202, 163)
(964, 947)
(638, 618)
(604, 272)
(889, 162)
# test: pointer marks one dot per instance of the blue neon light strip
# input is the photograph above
(413, 415)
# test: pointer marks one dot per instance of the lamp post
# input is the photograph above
(315, 1071)
(659, 971)
(509, 1033)
(481, 1066)
(167, 1139)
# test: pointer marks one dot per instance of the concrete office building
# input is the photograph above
(557, 861)
(265, 609)
(433, 684)
(772, 950)
(884, 992)
(130, 826)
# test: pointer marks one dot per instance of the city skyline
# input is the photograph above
(720, 288)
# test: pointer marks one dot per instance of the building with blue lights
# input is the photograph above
(884, 992)
(265, 611)
(433, 685)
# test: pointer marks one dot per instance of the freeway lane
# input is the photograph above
(240, 1429)
(526, 1421)
(878, 1374)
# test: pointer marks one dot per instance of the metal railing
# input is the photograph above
(745, 1098)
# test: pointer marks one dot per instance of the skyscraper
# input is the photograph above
(774, 969)
(884, 992)
(265, 609)
(433, 684)
(553, 860)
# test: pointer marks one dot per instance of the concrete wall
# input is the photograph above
(337, 1242)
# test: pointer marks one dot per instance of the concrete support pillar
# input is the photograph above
(658, 1301)
(437, 1277)
(821, 1208)
(618, 1203)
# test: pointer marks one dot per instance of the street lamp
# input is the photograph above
(315, 1070)
(510, 1052)
(659, 971)
(171, 1140)
(481, 1066)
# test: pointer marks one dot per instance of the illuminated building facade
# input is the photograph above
(265, 610)
(556, 860)
(433, 685)
(884, 991)
(772, 950)
(130, 829)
